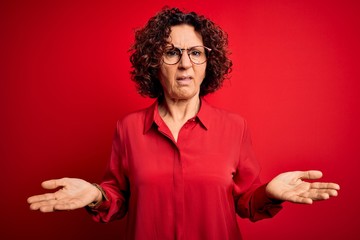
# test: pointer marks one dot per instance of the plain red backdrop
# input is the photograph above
(65, 81)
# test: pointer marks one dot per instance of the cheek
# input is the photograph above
(166, 75)
(201, 73)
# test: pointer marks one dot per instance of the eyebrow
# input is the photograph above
(172, 45)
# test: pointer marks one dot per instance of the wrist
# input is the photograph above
(101, 196)
(271, 196)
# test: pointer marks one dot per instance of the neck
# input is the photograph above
(179, 110)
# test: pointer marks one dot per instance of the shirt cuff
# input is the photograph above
(263, 205)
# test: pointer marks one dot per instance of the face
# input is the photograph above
(182, 81)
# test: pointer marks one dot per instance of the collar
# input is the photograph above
(149, 116)
(152, 115)
(204, 114)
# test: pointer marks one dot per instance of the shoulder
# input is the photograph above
(133, 116)
(219, 116)
(136, 119)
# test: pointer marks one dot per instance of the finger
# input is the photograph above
(321, 193)
(42, 197)
(321, 185)
(311, 174)
(67, 206)
(300, 199)
(54, 183)
(320, 196)
(316, 195)
(47, 208)
(43, 205)
(332, 193)
(329, 192)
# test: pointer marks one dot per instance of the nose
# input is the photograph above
(185, 61)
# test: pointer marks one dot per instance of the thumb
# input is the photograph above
(53, 183)
(311, 174)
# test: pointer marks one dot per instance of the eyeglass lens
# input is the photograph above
(197, 54)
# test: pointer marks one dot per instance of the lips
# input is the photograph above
(183, 78)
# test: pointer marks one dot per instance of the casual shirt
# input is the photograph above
(187, 189)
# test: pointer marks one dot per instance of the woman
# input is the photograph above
(181, 169)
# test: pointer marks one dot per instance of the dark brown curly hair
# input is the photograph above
(150, 41)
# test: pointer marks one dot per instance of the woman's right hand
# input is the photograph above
(74, 193)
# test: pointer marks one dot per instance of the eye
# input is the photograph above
(172, 52)
(195, 53)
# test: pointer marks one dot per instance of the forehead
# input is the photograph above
(184, 36)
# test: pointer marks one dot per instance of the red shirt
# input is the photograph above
(184, 190)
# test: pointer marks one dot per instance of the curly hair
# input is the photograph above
(150, 41)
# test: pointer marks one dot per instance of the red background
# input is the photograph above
(65, 81)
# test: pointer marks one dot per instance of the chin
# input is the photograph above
(187, 96)
(184, 94)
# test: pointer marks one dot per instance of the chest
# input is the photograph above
(198, 156)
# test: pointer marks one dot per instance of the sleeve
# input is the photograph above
(249, 193)
(115, 184)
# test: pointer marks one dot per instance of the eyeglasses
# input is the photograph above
(197, 54)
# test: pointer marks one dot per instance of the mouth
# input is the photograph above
(184, 80)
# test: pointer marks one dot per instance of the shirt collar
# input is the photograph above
(152, 115)
(204, 114)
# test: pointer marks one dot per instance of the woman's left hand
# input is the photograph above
(289, 186)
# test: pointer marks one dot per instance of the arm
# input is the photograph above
(77, 193)
(115, 184)
(251, 199)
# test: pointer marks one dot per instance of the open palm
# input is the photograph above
(73, 193)
(289, 186)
